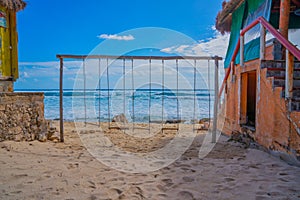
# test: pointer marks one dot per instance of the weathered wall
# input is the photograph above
(275, 129)
(22, 116)
(6, 86)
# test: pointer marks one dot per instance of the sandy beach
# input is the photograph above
(51, 170)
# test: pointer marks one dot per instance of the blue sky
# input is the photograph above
(51, 27)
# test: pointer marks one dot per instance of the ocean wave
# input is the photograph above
(142, 99)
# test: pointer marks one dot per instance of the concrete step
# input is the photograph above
(281, 83)
(295, 105)
(276, 69)
(280, 74)
(296, 93)
(277, 64)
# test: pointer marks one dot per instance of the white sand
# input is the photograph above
(35, 170)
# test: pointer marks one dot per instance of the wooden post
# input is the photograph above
(242, 45)
(214, 131)
(284, 30)
(262, 42)
(284, 19)
(61, 111)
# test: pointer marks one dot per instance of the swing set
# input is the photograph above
(102, 68)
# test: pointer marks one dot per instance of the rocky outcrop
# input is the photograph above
(121, 118)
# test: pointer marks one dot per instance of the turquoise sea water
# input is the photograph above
(139, 106)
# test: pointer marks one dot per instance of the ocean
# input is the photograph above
(142, 105)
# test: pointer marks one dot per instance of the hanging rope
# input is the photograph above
(208, 80)
(149, 108)
(163, 94)
(99, 90)
(124, 95)
(84, 91)
(177, 92)
(132, 86)
(108, 92)
(195, 95)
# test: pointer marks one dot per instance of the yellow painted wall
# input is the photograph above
(9, 48)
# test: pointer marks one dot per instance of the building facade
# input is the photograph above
(261, 90)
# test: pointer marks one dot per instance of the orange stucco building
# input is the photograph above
(260, 94)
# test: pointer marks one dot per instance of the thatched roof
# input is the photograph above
(14, 5)
(224, 17)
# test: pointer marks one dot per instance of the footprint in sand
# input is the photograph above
(161, 188)
(167, 182)
(92, 184)
(114, 193)
(188, 179)
(132, 193)
(20, 175)
(72, 166)
(228, 179)
(185, 195)
(283, 174)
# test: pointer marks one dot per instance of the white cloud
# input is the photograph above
(181, 49)
(116, 37)
(216, 45)
(25, 75)
(167, 50)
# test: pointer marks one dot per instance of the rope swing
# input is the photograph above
(176, 120)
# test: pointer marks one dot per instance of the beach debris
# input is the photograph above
(174, 121)
(205, 126)
(120, 118)
(203, 123)
(241, 137)
(42, 138)
(203, 120)
(53, 134)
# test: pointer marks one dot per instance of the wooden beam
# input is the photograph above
(140, 57)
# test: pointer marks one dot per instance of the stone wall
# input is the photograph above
(6, 85)
(22, 116)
